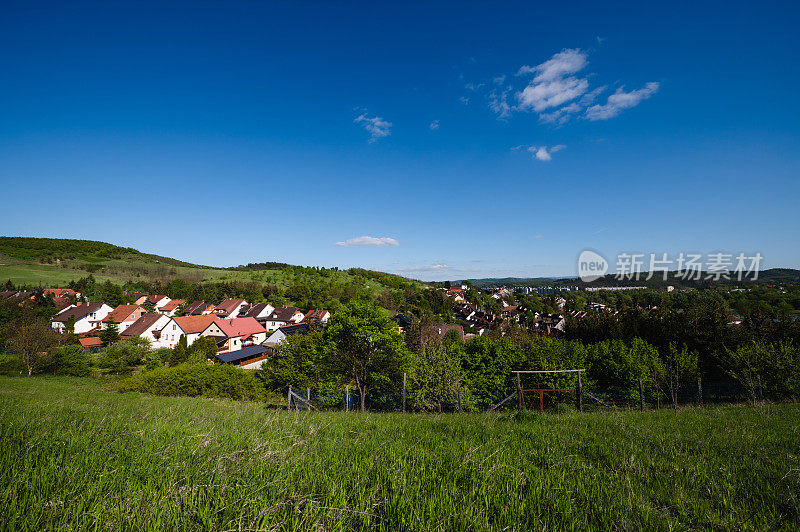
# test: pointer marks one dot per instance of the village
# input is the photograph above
(246, 334)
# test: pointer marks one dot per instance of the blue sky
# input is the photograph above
(461, 139)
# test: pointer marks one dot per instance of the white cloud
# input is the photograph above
(620, 101)
(369, 241)
(543, 153)
(464, 100)
(561, 116)
(557, 91)
(434, 125)
(567, 61)
(376, 126)
(426, 268)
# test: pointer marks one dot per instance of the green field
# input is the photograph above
(75, 456)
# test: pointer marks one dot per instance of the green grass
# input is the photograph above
(75, 456)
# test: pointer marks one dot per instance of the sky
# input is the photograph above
(434, 140)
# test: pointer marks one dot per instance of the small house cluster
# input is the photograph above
(244, 333)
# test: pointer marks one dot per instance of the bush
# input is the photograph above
(69, 360)
(10, 364)
(223, 380)
(120, 357)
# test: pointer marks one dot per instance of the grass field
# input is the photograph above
(75, 456)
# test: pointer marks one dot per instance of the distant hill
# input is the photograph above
(777, 276)
(56, 261)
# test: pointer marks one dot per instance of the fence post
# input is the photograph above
(404, 392)
(308, 398)
(641, 395)
(459, 397)
(289, 399)
(760, 389)
(347, 398)
(699, 391)
(519, 394)
(580, 393)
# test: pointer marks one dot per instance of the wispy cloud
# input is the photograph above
(426, 268)
(559, 90)
(376, 126)
(554, 83)
(464, 100)
(369, 241)
(621, 100)
(434, 125)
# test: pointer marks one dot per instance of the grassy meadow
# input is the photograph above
(74, 456)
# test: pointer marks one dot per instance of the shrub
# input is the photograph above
(120, 357)
(69, 360)
(223, 380)
(10, 364)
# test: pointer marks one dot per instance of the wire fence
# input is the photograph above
(546, 400)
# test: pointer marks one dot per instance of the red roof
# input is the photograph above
(60, 292)
(239, 327)
(92, 341)
(194, 324)
(229, 305)
(119, 314)
(172, 305)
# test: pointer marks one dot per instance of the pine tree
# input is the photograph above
(180, 353)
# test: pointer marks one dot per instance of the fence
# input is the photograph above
(547, 400)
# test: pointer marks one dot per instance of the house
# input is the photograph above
(260, 312)
(436, 333)
(157, 301)
(283, 316)
(149, 326)
(86, 316)
(61, 292)
(248, 358)
(321, 316)
(171, 308)
(235, 333)
(402, 321)
(456, 293)
(230, 308)
(284, 332)
(198, 308)
(189, 326)
(92, 343)
(123, 316)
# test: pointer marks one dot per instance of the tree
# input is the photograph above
(679, 364)
(180, 353)
(110, 334)
(437, 371)
(202, 350)
(32, 338)
(368, 350)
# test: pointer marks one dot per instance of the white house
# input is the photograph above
(259, 311)
(87, 316)
(149, 326)
(277, 338)
(236, 333)
(283, 316)
(230, 308)
(189, 326)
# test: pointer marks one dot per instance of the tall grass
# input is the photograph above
(75, 456)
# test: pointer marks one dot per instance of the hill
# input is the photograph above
(49, 262)
(774, 276)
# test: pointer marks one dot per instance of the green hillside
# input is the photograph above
(51, 262)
